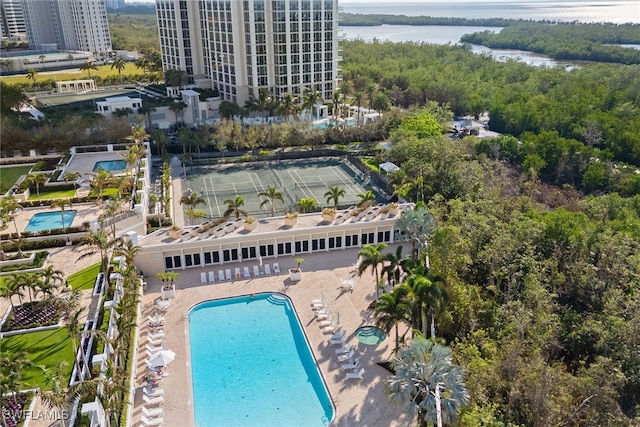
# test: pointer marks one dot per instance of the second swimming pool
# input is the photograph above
(251, 365)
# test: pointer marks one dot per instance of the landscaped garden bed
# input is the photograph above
(38, 261)
(14, 409)
(32, 314)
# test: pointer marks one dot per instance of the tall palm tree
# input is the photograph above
(8, 208)
(426, 296)
(418, 224)
(306, 204)
(310, 98)
(391, 309)
(51, 280)
(263, 101)
(192, 200)
(101, 180)
(289, 106)
(146, 111)
(37, 180)
(32, 74)
(178, 107)
(334, 194)
(58, 394)
(12, 367)
(143, 63)
(272, 194)
(88, 66)
(119, 64)
(73, 178)
(427, 383)
(366, 198)
(15, 283)
(61, 204)
(371, 256)
(99, 242)
(234, 206)
(395, 267)
(175, 77)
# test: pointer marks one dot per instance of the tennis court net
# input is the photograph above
(223, 190)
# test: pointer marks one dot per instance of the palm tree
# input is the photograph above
(306, 204)
(334, 194)
(73, 178)
(37, 180)
(175, 77)
(61, 204)
(88, 66)
(143, 64)
(99, 242)
(51, 279)
(289, 106)
(418, 223)
(263, 101)
(31, 74)
(371, 256)
(8, 208)
(427, 383)
(58, 394)
(366, 198)
(146, 111)
(12, 365)
(192, 199)
(178, 107)
(272, 194)
(234, 207)
(370, 91)
(15, 283)
(395, 267)
(101, 180)
(391, 309)
(119, 64)
(310, 98)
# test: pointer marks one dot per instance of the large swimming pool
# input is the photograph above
(50, 221)
(251, 365)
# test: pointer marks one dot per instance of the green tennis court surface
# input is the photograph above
(296, 179)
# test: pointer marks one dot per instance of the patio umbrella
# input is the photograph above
(161, 358)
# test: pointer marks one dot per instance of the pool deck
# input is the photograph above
(357, 402)
(84, 162)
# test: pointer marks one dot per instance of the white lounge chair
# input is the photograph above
(344, 350)
(357, 375)
(155, 335)
(236, 274)
(337, 341)
(353, 364)
(220, 276)
(267, 270)
(331, 329)
(276, 268)
(246, 273)
(156, 342)
(151, 413)
(154, 349)
(227, 274)
(327, 323)
(337, 335)
(151, 392)
(203, 278)
(256, 271)
(155, 319)
(323, 314)
(212, 277)
(346, 356)
(151, 421)
(152, 400)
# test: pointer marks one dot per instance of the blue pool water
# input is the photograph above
(110, 165)
(251, 365)
(49, 221)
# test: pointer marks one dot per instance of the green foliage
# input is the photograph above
(84, 279)
(38, 262)
(10, 174)
(421, 125)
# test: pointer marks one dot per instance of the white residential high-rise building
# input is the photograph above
(242, 46)
(68, 24)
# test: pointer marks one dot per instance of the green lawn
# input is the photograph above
(64, 194)
(46, 348)
(73, 74)
(373, 164)
(9, 175)
(84, 279)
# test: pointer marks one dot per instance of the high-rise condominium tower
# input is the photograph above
(69, 24)
(243, 46)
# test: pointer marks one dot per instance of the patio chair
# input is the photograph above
(155, 341)
(345, 349)
(337, 341)
(151, 421)
(203, 278)
(227, 274)
(220, 276)
(153, 349)
(155, 335)
(152, 400)
(337, 335)
(267, 270)
(256, 271)
(276, 268)
(212, 277)
(151, 413)
(152, 392)
(237, 273)
(246, 273)
(351, 365)
(356, 375)
(346, 356)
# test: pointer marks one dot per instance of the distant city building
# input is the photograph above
(240, 47)
(114, 4)
(75, 25)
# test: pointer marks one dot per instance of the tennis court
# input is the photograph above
(296, 179)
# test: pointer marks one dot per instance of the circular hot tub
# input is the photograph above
(370, 335)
